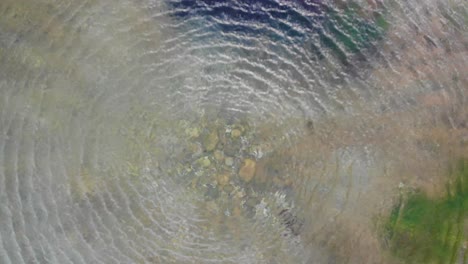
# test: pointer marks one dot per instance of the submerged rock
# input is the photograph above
(247, 171)
(223, 179)
(205, 162)
(235, 133)
(211, 140)
(218, 155)
(229, 161)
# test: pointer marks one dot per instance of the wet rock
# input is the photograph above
(247, 171)
(211, 140)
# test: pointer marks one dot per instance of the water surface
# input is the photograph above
(143, 131)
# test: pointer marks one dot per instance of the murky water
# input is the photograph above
(200, 131)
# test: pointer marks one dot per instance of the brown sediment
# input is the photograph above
(350, 232)
(413, 146)
(247, 171)
(434, 52)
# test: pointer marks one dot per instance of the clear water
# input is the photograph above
(153, 131)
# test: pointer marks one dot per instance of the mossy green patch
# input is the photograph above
(351, 31)
(421, 229)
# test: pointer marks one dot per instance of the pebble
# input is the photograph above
(229, 161)
(219, 155)
(228, 188)
(235, 133)
(192, 132)
(223, 179)
(204, 162)
(231, 148)
(211, 141)
(247, 171)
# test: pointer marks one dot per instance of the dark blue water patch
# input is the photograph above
(342, 31)
(245, 9)
(288, 17)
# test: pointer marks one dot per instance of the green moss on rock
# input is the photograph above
(421, 229)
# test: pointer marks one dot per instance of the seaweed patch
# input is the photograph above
(421, 229)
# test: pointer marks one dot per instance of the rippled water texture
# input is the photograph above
(202, 131)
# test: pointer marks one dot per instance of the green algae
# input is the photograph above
(351, 32)
(421, 229)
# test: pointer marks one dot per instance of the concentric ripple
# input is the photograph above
(202, 131)
(286, 50)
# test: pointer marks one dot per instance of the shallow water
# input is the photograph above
(143, 131)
